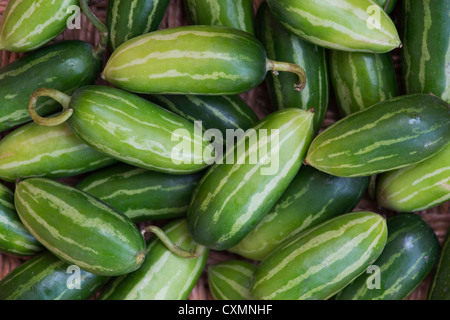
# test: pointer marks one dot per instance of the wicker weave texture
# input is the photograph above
(258, 99)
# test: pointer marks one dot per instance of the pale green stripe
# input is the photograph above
(311, 244)
(364, 260)
(425, 54)
(237, 287)
(18, 71)
(35, 280)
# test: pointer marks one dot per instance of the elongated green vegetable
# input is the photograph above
(349, 25)
(418, 187)
(128, 19)
(130, 129)
(45, 277)
(410, 254)
(230, 280)
(392, 134)
(227, 13)
(163, 275)
(142, 194)
(52, 152)
(14, 237)
(426, 37)
(361, 80)
(312, 198)
(282, 45)
(208, 60)
(28, 25)
(440, 285)
(322, 261)
(236, 194)
(78, 228)
(64, 66)
(215, 112)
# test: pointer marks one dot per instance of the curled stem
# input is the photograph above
(62, 98)
(187, 254)
(100, 26)
(276, 66)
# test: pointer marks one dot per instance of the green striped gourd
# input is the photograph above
(128, 19)
(418, 187)
(387, 5)
(389, 135)
(78, 228)
(130, 129)
(163, 275)
(49, 68)
(350, 25)
(227, 13)
(236, 194)
(439, 289)
(52, 152)
(203, 60)
(410, 253)
(426, 51)
(14, 237)
(30, 24)
(215, 112)
(142, 194)
(282, 45)
(312, 198)
(318, 263)
(361, 80)
(45, 277)
(230, 280)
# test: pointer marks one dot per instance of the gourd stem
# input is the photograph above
(100, 49)
(191, 254)
(276, 66)
(62, 98)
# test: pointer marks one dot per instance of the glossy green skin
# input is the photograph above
(141, 194)
(361, 80)
(147, 137)
(163, 275)
(312, 198)
(426, 38)
(387, 5)
(230, 280)
(28, 25)
(282, 45)
(45, 277)
(234, 196)
(14, 237)
(204, 60)
(411, 252)
(322, 261)
(78, 228)
(440, 286)
(344, 27)
(418, 187)
(64, 66)
(215, 112)
(128, 19)
(51, 152)
(390, 135)
(227, 13)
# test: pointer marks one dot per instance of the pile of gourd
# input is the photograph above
(170, 139)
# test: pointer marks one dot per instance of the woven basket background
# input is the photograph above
(438, 218)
